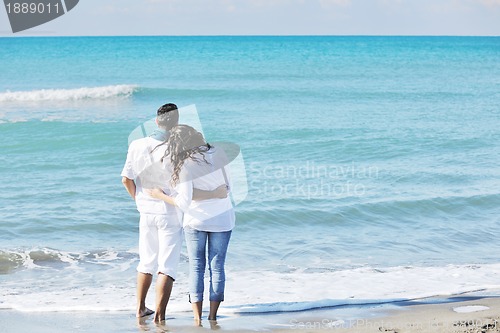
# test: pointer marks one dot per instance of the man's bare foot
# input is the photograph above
(197, 322)
(158, 318)
(145, 312)
(161, 327)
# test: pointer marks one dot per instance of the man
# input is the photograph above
(160, 230)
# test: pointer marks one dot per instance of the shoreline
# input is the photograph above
(469, 314)
(454, 314)
(458, 314)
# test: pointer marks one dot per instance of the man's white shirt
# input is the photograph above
(144, 167)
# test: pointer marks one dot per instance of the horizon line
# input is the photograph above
(43, 34)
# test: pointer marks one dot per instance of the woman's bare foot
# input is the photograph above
(197, 312)
(197, 322)
(144, 312)
(213, 324)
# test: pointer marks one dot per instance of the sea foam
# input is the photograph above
(104, 92)
(105, 281)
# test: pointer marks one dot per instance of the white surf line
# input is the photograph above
(470, 308)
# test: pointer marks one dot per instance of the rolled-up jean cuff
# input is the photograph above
(217, 298)
(193, 298)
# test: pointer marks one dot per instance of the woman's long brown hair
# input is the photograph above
(184, 143)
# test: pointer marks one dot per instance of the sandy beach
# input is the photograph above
(468, 314)
(474, 315)
(461, 314)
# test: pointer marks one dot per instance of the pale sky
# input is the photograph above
(272, 17)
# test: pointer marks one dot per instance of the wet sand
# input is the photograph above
(464, 314)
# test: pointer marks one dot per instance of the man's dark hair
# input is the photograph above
(167, 116)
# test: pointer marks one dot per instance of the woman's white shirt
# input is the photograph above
(212, 215)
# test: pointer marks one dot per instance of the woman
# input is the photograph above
(207, 223)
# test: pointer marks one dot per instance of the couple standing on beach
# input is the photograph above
(180, 185)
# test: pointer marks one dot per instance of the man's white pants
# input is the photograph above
(160, 242)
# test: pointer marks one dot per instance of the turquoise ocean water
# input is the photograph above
(372, 165)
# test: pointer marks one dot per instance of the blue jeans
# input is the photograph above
(196, 242)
